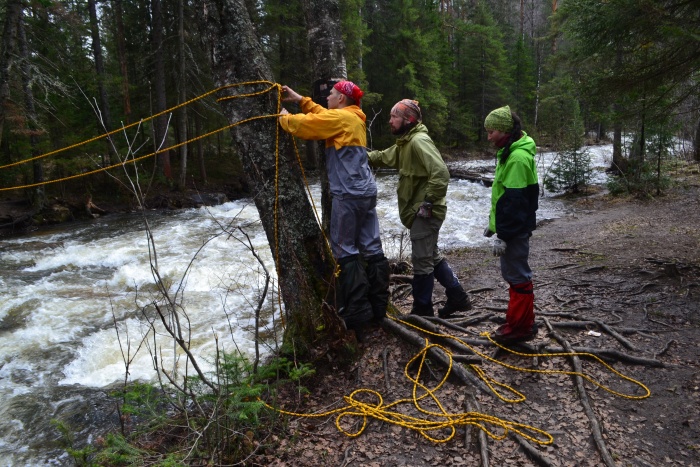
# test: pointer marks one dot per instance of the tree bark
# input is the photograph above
(161, 123)
(38, 196)
(304, 261)
(121, 52)
(324, 35)
(182, 112)
(696, 145)
(200, 147)
(13, 12)
(100, 71)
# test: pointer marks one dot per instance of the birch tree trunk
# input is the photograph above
(328, 57)
(303, 259)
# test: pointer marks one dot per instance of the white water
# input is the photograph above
(64, 289)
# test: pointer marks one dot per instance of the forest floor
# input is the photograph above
(615, 276)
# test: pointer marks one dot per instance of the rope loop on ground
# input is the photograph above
(438, 426)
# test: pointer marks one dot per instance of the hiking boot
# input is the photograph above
(457, 300)
(422, 309)
(506, 335)
(378, 277)
(423, 294)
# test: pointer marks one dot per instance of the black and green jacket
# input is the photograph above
(515, 191)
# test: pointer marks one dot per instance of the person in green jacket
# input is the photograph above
(421, 191)
(514, 201)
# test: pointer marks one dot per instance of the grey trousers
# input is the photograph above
(355, 227)
(514, 263)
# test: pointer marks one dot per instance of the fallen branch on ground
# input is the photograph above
(437, 354)
(583, 397)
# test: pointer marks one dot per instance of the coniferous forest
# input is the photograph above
(71, 71)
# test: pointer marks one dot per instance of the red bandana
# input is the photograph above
(350, 89)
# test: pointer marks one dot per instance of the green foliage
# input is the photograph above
(571, 171)
(648, 176)
(116, 450)
(631, 47)
(81, 456)
(214, 425)
(641, 180)
(480, 73)
(407, 48)
(355, 33)
(560, 124)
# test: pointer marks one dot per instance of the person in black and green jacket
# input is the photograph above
(422, 187)
(514, 202)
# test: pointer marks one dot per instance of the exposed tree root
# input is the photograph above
(531, 452)
(473, 406)
(583, 397)
(437, 354)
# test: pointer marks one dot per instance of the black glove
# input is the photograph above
(425, 209)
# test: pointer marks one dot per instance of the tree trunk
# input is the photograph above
(696, 151)
(200, 147)
(121, 52)
(100, 71)
(304, 262)
(182, 112)
(13, 12)
(328, 57)
(38, 197)
(161, 123)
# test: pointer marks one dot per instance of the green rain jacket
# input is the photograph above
(423, 175)
(515, 191)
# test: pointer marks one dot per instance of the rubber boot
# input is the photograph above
(423, 294)
(378, 277)
(351, 293)
(457, 298)
(520, 318)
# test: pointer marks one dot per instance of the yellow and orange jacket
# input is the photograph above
(344, 130)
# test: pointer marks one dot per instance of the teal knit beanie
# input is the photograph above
(499, 119)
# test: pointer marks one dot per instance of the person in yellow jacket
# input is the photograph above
(423, 180)
(363, 284)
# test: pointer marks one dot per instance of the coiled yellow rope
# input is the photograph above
(437, 426)
(440, 426)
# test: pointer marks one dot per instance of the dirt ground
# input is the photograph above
(613, 275)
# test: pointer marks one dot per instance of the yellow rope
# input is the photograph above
(97, 138)
(437, 426)
(588, 378)
(433, 421)
(272, 86)
(440, 426)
